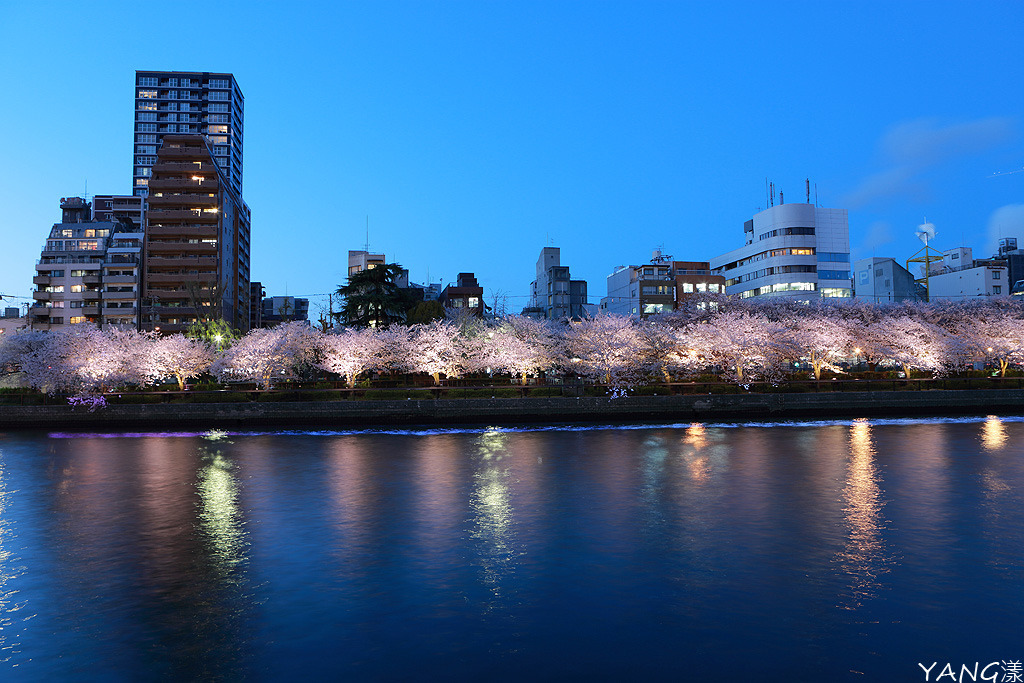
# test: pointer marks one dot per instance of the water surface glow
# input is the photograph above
(812, 550)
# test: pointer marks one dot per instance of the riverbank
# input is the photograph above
(690, 408)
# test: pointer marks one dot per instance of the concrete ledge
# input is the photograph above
(697, 408)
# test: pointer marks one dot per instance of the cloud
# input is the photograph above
(1006, 221)
(879, 234)
(910, 149)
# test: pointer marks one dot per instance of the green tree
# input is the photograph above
(426, 312)
(372, 298)
(217, 333)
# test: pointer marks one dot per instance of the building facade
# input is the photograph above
(187, 102)
(466, 294)
(883, 280)
(694, 278)
(554, 294)
(959, 276)
(283, 309)
(792, 250)
(197, 241)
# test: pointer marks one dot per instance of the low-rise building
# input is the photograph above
(694, 278)
(792, 250)
(883, 280)
(466, 294)
(283, 309)
(646, 289)
(554, 294)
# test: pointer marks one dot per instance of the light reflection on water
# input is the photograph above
(607, 552)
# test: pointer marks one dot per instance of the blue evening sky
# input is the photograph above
(472, 134)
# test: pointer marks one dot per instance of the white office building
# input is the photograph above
(792, 250)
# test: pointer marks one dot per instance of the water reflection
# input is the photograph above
(492, 516)
(993, 434)
(219, 516)
(862, 558)
(10, 629)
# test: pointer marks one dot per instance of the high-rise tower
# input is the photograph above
(189, 102)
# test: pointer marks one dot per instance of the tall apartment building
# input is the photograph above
(188, 102)
(554, 294)
(196, 241)
(792, 250)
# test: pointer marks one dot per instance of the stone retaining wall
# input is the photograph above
(328, 414)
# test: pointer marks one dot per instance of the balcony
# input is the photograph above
(120, 280)
(118, 310)
(89, 310)
(208, 231)
(91, 279)
(208, 184)
(130, 296)
(186, 262)
(41, 280)
(170, 278)
(188, 198)
(188, 168)
(41, 296)
(170, 215)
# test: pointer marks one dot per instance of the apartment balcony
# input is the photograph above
(118, 310)
(88, 310)
(173, 278)
(186, 262)
(188, 167)
(208, 184)
(91, 294)
(120, 280)
(130, 296)
(41, 280)
(188, 215)
(200, 231)
(41, 296)
(91, 279)
(188, 198)
(179, 250)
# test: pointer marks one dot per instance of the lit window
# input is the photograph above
(149, 94)
(75, 319)
(702, 287)
(687, 288)
(474, 302)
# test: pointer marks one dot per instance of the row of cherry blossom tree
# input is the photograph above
(744, 339)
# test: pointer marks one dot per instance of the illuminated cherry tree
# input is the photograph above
(749, 343)
(519, 346)
(607, 347)
(437, 348)
(181, 357)
(353, 351)
(269, 355)
(821, 339)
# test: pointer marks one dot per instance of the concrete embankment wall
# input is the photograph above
(327, 414)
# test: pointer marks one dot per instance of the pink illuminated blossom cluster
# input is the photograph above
(743, 339)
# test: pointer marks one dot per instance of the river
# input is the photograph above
(848, 550)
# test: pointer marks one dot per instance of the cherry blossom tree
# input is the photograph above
(437, 348)
(821, 338)
(267, 355)
(911, 343)
(748, 342)
(182, 357)
(352, 352)
(608, 347)
(519, 346)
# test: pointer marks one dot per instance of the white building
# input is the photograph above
(882, 280)
(794, 250)
(554, 294)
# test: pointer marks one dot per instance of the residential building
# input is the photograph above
(363, 260)
(465, 294)
(958, 276)
(883, 280)
(642, 290)
(188, 102)
(69, 271)
(113, 208)
(793, 250)
(256, 295)
(694, 278)
(554, 294)
(197, 241)
(282, 309)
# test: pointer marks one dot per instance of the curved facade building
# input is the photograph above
(792, 250)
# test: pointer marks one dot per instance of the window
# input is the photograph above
(151, 127)
(75, 304)
(997, 289)
(150, 81)
(147, 106)
(148, 160)
(75, 319)
(141, 182)
(702, 287)
(78, 273)
(474, 302)
(713, 288)
(145, 149)
(146, 138)
(54, 288)
(147, 94)
(878, 272)
(217, 129)
(955, 256)
(839, 257)
(833, 292)
(219, 118)
(219, 95)
(146, 116)
(66, 233)
(219, 139)
(57, 321)
(76, 289)
(56, 273)
(219, 83)
(218, 107)
(995, 274)
(687, 288)
(833, 275)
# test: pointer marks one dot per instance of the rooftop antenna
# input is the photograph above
(816, 194)
(808, 181)
(367, 245)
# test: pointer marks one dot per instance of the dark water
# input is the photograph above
(846, 551)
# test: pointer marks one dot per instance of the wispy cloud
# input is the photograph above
(908, 150)
(879, 234)
(1006, 221)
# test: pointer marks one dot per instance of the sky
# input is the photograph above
(469, 135)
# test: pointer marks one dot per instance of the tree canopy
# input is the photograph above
(373, 298)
